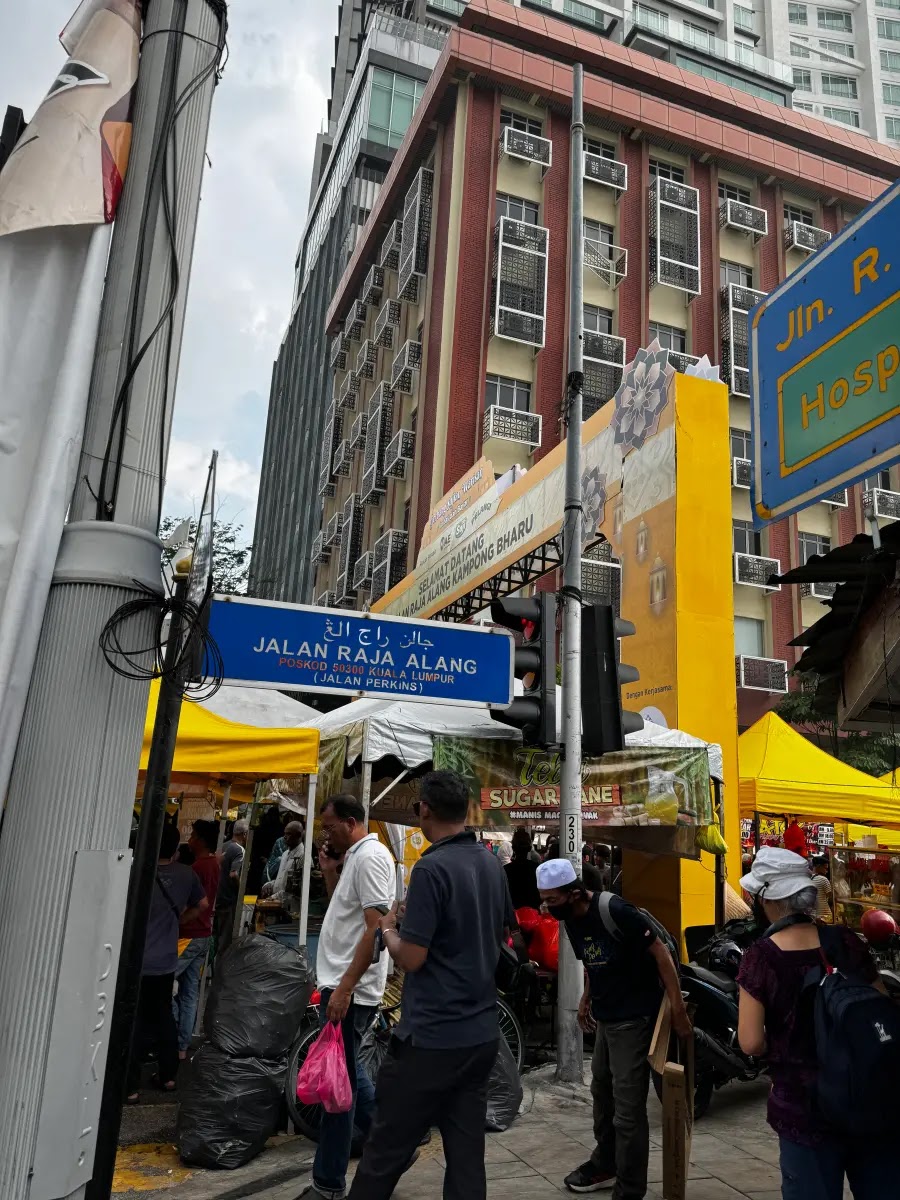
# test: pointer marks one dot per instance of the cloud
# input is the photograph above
(266, 113)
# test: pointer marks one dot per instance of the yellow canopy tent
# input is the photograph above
(782, 772)
(209, 745)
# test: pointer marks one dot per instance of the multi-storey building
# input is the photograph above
(448, 327)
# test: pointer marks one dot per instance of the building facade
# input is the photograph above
(448, 327)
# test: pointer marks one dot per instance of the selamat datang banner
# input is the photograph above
(644, 787)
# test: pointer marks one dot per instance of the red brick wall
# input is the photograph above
(473, 291)
(782, 545)
(632, 235)
(427, 415)
(705, 307)
(552, 361)
(769, 257)
(831, 219)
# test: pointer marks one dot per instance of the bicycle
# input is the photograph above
(307, 1118)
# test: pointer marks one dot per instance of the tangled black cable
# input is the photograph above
(154, 661)
(164, 150)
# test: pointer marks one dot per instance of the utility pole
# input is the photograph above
(68, 809)
(570, 1050)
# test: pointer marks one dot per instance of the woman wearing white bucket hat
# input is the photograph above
(775, 1021)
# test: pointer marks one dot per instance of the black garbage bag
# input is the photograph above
(373, 1050)
(504, 1091)
(229, 1108)
(258, 997)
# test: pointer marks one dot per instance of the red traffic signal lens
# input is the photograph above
(529, 630)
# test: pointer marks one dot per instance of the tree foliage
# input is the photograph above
(231, 554)
(873, 753)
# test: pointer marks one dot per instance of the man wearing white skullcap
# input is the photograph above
(626, 967)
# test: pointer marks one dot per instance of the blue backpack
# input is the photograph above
(857, 1046)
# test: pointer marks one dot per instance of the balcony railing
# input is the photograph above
(320, 554)
(362, 572)
(326, 600)
(386, 322)
(389, 564)
(373, 285)
(358, 433)
(512, 425)
(807, 238)
(399, 453)
(519, 299)
(663, 26)
(415, 235)
(609, 263)
(339, 356)
(367, 360)
(347, 392)
(755, 571)
(737, 302)
(389, 253)
(675, 236)
(405, 368)
(818, 591)
(604, 361)
(881, 503)
(343, 460)
(527, 147)
(606, 171)
(837, 499)
(740, 472)
(332, 531)
(356, 320)
(681, 362)
(745, 218)
(760, 674)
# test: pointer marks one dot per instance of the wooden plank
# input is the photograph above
(659, 1045)
(678, 1122)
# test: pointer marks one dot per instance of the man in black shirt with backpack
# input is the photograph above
(627, 964)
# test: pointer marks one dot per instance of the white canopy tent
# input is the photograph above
(263, 707)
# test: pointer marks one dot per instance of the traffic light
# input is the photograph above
(534, 712)
(604, 723)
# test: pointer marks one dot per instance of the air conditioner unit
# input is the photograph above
(761, 674)
(740, 472)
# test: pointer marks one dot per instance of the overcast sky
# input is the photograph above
(266, 113)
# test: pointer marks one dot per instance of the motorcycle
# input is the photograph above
(718, 1059)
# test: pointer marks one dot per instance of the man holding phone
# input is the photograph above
(350, 977)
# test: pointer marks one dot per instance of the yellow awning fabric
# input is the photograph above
(211, 746)
(782, 772)
(888, 838)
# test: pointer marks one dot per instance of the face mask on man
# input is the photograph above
(563, 910)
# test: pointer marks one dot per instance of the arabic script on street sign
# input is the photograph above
(304, 648)
(825, 368)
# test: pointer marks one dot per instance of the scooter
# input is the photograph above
(718, 1059)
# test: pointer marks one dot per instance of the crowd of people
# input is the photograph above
(460, 907)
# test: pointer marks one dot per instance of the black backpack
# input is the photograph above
(609, 921)
(857, 1033)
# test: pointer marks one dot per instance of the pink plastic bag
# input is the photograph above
(323, 1078)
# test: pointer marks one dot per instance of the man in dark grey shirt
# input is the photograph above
(441, 1055)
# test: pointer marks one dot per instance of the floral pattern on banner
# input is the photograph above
(641, 398)
(593, 498)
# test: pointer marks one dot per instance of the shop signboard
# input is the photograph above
(310, 649)
(825, 368)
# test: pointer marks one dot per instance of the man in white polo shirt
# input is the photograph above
(350, 983)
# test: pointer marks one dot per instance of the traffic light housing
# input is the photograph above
(534, 712)
(604, 722)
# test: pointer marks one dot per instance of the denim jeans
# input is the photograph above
(817, 1173)
(187, 976)
(336, 1133)
(620, 1079)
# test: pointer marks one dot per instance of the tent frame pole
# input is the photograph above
(303, 923)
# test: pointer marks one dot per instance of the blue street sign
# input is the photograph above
(269, 645)
(825, 368)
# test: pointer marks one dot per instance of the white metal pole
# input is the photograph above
(307, 860)
(570, 1050)
(366, 788)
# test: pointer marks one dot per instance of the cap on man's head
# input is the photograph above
(555, 873)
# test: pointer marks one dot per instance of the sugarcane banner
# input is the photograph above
(511, 784)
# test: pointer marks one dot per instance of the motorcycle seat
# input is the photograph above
(715, 978)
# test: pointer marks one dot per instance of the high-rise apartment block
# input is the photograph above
(445, 335)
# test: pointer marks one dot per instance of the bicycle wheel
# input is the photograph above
(307, 1118)
(511, 1028)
